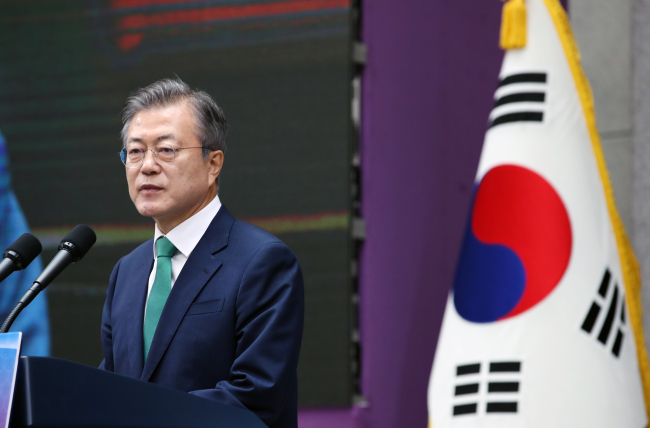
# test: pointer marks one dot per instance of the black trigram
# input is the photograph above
(466, 391)
(608, 322)
(526, 88)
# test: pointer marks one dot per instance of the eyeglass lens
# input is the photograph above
(134, 154)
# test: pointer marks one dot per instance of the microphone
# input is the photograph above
(72, 248)
(19, 255)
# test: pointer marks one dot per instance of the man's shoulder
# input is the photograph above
(246, 240)
(251, 236)
(141, 253)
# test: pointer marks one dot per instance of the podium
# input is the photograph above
(51, 392)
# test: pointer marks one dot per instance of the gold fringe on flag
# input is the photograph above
(629, 264)
(513, 25)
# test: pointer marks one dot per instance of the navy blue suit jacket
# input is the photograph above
(231, 328)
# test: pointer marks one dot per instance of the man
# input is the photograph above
(212, 305)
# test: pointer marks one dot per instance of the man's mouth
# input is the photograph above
(150, 189)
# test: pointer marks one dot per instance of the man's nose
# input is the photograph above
(149, 163)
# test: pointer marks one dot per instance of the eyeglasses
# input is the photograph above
(133, 155)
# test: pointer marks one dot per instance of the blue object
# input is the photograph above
(231, 328)
(490, 280)
(9, 351)
(33, 321)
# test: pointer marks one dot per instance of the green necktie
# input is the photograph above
(160, 290)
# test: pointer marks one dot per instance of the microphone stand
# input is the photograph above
(24, 301)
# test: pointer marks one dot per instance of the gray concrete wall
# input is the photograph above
(604, 33)
(641, 147)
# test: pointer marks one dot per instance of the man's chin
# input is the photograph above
(150, 211)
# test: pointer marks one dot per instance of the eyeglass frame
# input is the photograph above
(146, 149)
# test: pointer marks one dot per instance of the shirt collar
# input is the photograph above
(186, 235)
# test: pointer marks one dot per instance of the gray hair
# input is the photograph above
(210, 122)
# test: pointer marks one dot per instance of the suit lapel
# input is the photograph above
(137, 290)
(199, 268)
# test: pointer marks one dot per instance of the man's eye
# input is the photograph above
(166, 150)
(134, 152)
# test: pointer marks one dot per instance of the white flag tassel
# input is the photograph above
(513, 25)
(543, 325)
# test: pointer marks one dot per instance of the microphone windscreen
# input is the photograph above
(27, 247)
(82, 237)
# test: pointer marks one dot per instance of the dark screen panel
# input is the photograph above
(279, 71)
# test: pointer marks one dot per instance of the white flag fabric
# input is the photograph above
(543, 325)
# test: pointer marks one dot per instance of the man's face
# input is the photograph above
(170, 194)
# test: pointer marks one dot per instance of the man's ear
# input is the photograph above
(215, 160)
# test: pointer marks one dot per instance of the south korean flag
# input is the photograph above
(543, 325)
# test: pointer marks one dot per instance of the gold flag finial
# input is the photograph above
(513, 25)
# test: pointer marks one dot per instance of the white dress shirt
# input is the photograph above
(185, 236)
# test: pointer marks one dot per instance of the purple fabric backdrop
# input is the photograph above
(427, 91)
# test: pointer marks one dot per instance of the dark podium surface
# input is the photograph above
(51, 392)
